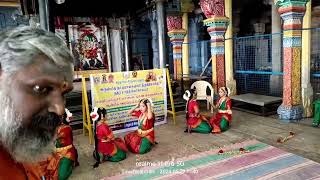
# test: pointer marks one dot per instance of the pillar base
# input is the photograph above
(232, 85)
(290, 114)
(186, 84)
(307, 98)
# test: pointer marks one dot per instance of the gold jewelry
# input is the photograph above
(63, 148)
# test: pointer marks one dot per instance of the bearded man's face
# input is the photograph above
(32, 104)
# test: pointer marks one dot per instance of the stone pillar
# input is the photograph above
(217, 25)
(230, 81)
(307, 91)
(153, 25)
(126, 44)
(115, 44)
(275, 81)
(108, 48)
(292, 12)
(46, 16)
(187, 6)
(176, 34)
(161, 33)
(195, 63)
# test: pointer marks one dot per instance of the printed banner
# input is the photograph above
(120, 91)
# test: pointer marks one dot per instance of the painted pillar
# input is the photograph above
(185, 46)
(292, 12)
(306, 88)
(217, 25)
(275, 81)
(176, 34)
(230, 81)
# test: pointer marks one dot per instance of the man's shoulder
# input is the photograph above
(9, 169)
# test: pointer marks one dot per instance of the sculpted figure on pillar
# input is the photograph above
(174, 23)
(212, 8)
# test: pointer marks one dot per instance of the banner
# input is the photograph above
(120, 91)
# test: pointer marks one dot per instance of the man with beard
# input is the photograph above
(36, 71)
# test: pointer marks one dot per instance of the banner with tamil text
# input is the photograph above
(118, 92)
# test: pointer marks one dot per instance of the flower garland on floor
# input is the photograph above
(282, 140)
(234, 152)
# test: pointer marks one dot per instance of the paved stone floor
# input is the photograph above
(174, 143)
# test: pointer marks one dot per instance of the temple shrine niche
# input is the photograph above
(88, 45)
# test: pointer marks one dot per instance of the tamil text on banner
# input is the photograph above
(120, 91)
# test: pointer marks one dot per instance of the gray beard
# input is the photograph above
(22, 145)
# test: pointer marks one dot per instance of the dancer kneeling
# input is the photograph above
(222, 119)
(195, 121)
(141, 140)
(107, 147)
(60, 164)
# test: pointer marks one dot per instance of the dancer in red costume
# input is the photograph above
(107, 147)
(141, 140)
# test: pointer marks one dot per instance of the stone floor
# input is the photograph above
(174, 143)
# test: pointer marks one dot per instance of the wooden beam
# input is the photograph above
(9, 4)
